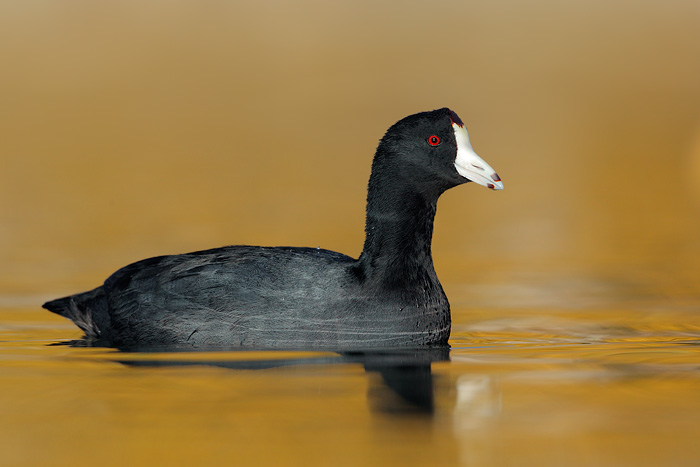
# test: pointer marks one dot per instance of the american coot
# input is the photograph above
(288, 297)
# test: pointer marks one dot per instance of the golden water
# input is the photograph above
(134, 129)
(534, 388)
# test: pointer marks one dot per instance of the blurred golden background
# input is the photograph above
(133, 129)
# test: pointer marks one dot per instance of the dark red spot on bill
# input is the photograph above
(455, 119)
(491, 185)
(495, 177)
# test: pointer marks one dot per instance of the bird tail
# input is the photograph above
(81, 309)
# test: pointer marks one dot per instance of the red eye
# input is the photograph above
(433, 140)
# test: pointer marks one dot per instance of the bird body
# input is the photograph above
(290, 297)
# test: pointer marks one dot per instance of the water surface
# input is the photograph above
(518, 387)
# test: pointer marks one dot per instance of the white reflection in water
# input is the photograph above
(478, 402)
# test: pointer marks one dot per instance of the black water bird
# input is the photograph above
(290, 297)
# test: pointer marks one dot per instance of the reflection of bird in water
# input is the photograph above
(402, 389)
(478, 400)
(405, 382)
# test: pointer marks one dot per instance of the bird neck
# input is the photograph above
(398, 232)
